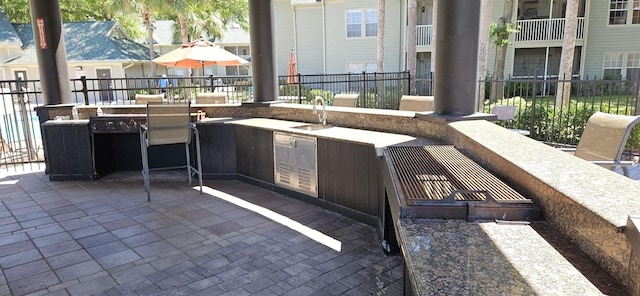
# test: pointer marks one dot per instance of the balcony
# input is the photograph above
(530, 31)
(545, 30)
(424, 33)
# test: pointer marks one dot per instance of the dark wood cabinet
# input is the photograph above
(348, 175)
(68, 154)
(218, 151)
(254, 152)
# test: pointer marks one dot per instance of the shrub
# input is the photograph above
(327, 95)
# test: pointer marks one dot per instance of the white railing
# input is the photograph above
(530, 30)
(546, 29)
(423, 35)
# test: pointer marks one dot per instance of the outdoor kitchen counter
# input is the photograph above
(378, 139)
(466, 258)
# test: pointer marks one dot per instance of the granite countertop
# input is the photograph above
(465, 258)
(67, 122)
(378, 139)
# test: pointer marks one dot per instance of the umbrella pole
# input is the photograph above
(202, 82)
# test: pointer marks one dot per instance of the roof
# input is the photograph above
(87, 41)
(7, 34)
(235, 35)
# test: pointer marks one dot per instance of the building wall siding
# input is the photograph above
(283, 34)
(309, 41)
(604, 38)
(320, 36)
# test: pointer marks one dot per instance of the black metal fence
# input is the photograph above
(377, 90)
(20, 138)
(537, 110)
(560, 120)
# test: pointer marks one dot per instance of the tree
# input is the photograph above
(194, 18)
(71, 10)
(412, 23)
(483, 48)
(145, 9)
(563, 90)
(500, 32)
(380, 50)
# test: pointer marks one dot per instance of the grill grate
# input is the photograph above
(437, 173)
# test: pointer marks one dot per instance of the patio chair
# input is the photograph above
(603, 140)
(211, 98)
(345, 100)
(149, 99)
(508, 113)
(416, 103)
(169, 124)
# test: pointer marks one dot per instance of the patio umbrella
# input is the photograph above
(199, 53)
(292, 71)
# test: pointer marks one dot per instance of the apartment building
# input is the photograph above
(337, 36)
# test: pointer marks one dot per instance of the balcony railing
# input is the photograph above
(423, 35)
(546, 30)
(530, 30)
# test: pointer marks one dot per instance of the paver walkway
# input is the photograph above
(102, 237)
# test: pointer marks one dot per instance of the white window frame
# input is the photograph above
(367, 67)
(621, 61)
(628, 8)
(364, 20)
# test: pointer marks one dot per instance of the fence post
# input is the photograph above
(364, 90)
(409, 83)
(299, 88)
(533, 102)
(85, 90)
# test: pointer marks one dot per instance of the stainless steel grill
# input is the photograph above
(441, 182)
(443, 172)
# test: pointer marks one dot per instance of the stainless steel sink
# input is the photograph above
(312, 127)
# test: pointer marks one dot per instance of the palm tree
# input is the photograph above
(145, 9)
(483, 48)
(502, 40)
(195, 18)
(563, 90)
(211, 18)
(412, 23)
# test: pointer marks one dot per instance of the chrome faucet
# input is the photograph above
(322, 119)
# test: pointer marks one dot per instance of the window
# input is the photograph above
(633, 66)
(622, 65)
(362, 23)
(360, 67)
(237, 70)
(371, 23)
(622, 12)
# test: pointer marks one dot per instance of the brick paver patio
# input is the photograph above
(102, 237)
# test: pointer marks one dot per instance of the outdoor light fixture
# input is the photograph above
(78, 68)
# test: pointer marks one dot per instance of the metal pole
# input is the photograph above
(85, 90)
(457, 57)
(265, 84)
(46, 22)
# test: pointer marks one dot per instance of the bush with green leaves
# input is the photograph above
(327, 95)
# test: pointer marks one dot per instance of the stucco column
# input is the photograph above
(457, 57)
(265, 77)
(46, 22)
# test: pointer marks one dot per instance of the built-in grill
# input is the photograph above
(441, 182)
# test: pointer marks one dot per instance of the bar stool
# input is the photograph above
(169, 124)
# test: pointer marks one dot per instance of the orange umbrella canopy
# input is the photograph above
(292, 70)
(199, 53)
